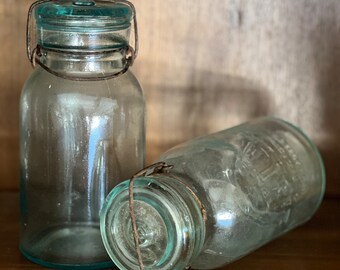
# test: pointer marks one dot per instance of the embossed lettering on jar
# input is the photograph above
(227, 194)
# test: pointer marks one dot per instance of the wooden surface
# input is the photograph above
(209, 65)
(314, 246)
(206, 66)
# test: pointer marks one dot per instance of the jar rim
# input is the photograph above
(69, 25)
(156, 200)
(69, 16)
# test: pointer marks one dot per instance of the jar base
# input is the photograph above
(69, 247)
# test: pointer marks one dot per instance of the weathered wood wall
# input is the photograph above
(209, 65)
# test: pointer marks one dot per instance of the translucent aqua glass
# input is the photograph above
(78, 138)
(255, 182)
(83, 25)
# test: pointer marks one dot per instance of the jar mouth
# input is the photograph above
(165, 225)
(83, 16)
(83, 25)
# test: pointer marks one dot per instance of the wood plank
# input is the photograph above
(13, 71)
(312, 246)
(206, 66)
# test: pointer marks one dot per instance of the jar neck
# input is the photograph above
(169, 220)
(82, 64)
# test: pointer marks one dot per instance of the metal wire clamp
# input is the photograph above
(35, 53)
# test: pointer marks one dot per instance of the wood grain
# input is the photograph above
(209, 65)
(13, 71)
(313, 246)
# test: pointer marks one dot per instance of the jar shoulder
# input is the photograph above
(42, 83)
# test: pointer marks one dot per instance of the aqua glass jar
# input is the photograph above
(216, 198)
(82, 127)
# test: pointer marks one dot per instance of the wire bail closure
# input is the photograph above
(34, 54)
(157, 168)
(154, 169)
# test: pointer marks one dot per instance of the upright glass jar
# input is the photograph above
(227, 194)
(82, 127)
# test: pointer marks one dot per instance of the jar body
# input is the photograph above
(256, 181)
(226, 195)
(78, 140)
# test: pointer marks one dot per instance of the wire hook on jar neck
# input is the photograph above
(33, 48)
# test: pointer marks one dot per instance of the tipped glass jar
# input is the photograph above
(81, 127)
(227, 194)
